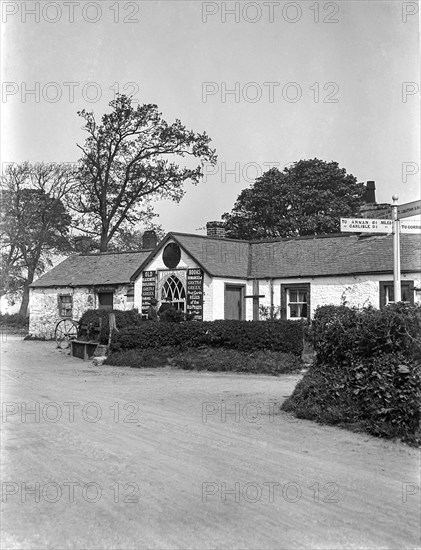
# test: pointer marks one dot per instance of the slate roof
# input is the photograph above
(93, 269)
(333, 255)
(342, 254)
(339, 254)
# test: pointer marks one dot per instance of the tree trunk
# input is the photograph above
(103, 247)
(25, 297)
(25, 301)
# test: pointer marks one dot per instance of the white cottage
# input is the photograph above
(213, 277)
(217, 278)
(79, 283)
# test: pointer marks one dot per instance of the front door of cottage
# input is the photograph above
(234, 302)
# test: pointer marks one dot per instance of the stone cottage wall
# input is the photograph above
(44, 311)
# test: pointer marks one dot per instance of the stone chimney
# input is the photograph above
(149, 239)
(371, 209)
(370, 192)
(215, 229)
(83, 245)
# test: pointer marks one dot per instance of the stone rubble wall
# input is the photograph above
(44, 310)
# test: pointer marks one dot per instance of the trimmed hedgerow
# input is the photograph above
(124, 319)
(367, 374)
(284, 336)
(209, 359)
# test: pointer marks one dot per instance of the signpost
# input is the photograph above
(409, 209)
(366, 225)
(393, 225)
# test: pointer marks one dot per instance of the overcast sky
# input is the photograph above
(338, 81)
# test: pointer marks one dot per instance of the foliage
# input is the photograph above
(367, 374)
(269, 313)
(34, 223)
(209, 359)
(172, 315)
(14, 320)
(128, 160)
(124, 320)
(285, 336)
(307, 198)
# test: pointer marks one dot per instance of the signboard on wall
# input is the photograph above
(194, 293)
(148, 289)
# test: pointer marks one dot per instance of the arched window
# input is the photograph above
(174, 291)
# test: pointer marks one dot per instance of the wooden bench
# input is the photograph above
(83, 349)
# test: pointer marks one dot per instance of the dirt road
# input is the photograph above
(152, 459)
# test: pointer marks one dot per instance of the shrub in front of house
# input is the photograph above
(124, 319)
(247, 336)
(209, 359)
(367, 374)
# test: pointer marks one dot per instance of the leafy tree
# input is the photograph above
(34, 223)
(129, 159)
(307, 198)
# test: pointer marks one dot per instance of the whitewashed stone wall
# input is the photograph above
(355, 291)
(358, 291)
(44, 312)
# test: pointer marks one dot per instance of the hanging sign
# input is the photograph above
(148, 289)
(194, 293)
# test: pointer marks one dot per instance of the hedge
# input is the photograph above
(284, 336)
(124, 319)
(367, 374)
(14, 320)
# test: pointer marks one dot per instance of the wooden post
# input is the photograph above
(112, 326)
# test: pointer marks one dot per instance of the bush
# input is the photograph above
(14, 320)
(124, 319)
(248, 336)
(367, 374)
(215, 360)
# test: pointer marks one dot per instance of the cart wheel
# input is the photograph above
(66, 330)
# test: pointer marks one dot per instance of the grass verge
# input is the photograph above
(209, 359)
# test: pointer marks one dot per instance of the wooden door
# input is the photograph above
(234, 302)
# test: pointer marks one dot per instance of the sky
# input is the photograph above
(334, 80)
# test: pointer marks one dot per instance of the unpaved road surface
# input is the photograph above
(124, 458)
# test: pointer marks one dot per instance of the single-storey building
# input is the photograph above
(217, 278)
(212, 277)
(79, 283)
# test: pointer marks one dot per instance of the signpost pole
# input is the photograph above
(396, 251)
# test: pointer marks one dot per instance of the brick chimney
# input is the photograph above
(215, 229)
(149, 239)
